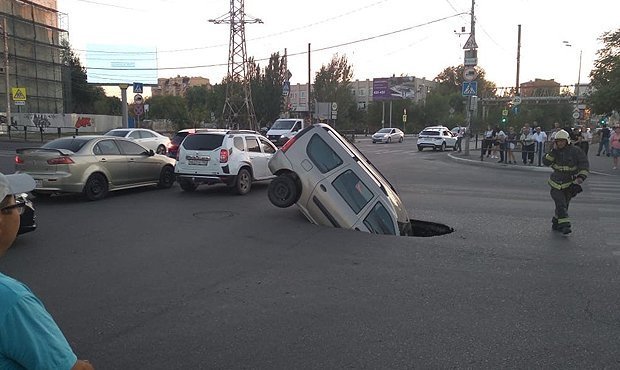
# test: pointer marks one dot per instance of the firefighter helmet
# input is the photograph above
(562, 135)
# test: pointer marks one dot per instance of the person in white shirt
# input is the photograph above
(540, 137)
(501, 139)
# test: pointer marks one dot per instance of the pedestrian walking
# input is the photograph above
(570, 169)
(29, 337)
(540, 137)
(586, 140)
(614, 142)
(459, 138)
(603, 145)
(511, 144)
(487, 143)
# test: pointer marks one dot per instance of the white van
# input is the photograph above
(284, 129)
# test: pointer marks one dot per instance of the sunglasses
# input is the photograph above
(19, 206)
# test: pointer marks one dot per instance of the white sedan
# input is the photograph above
(145, 137)
(388, 135)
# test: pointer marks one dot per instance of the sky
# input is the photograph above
(380, 38)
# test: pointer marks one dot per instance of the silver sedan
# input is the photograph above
(388, 135)
(93, 165)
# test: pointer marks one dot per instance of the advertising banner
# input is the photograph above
(393, 88)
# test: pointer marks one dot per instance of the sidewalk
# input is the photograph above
(602, 165)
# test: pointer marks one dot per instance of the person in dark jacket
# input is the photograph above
(570, 169)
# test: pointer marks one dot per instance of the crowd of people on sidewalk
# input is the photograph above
(532, 142)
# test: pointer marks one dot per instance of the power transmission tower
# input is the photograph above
(238, 107)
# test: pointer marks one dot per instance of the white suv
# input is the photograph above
(436, 137)
(233, 157)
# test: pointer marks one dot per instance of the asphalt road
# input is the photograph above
(162, 279)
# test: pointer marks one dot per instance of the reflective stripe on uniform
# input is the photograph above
(565, 220)
(557, 167)
(549, 157)
(583, 172)
(555, 185)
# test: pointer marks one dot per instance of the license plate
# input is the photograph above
(196, 162)
(38, 183)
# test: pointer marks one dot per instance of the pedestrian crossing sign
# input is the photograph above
(19, 93)
(470, 88)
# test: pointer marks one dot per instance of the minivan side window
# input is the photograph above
(252, 144)
(323, 157)
(238, 143)
(352, 190)
(379, 220)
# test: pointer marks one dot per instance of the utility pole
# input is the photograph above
(471, 60)
(6, 72)
(238, 90)
(518, 61)
(309, 87)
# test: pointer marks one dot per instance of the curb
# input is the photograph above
(478, 162)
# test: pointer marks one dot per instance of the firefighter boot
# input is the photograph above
(564, 228)
(554, 224)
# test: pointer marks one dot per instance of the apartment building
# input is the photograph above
(361, 91)
(178, 86)
(35, 32)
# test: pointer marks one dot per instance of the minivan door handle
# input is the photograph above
(323, 187)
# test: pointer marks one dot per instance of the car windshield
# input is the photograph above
(203, 142)
(119, 133)
(384, 131)
(430, 133)
(73, 144)
(283, 124)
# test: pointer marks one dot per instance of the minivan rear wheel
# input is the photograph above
(187, 185)
(282, 191)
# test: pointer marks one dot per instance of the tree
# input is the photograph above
(605, 76)
(266, 87)
(173, 108)
(331, 84)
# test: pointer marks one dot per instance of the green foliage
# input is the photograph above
(173, 108)
(605, 76)
(331, 84)
(266, 87)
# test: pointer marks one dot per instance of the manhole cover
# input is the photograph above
(214, 215)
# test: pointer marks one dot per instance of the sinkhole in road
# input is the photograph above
(426, 229)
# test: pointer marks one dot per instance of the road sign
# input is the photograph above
(575, 115)
(470, 88)
(404, 118)
(286, 88)
(471, 58)
(334, 106)
(19, 93)
(470, 43)
(138, 109)
(138, 88)
(138, 99)
(516, 100)
(469, 74)
(505, 112)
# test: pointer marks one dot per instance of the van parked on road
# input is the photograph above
(283, 129)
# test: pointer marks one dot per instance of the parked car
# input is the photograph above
(232, 157)
(93, 165)
(147, 138)
(436, 137)
(27, 219)
(178, 138)
(283, 129)
(334, 184)
(388, 135)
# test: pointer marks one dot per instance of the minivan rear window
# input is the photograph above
(203, 142)
(322, 155)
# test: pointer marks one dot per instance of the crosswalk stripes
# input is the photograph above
(607, 188)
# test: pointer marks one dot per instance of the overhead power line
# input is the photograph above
(292, 54)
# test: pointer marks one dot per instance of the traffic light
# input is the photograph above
(602, 121)
(504, 120)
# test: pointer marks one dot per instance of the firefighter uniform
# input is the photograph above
(570, 167)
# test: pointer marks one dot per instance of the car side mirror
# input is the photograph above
(150, 153)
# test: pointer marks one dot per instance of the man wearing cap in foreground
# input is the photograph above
(570, 168)
(29, 337)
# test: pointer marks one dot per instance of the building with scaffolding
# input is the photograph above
(34, 33)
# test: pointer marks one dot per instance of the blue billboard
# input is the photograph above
(393, 88)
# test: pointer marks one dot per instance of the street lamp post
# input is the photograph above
(577, 86)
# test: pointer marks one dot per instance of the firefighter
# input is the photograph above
(570, 169)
